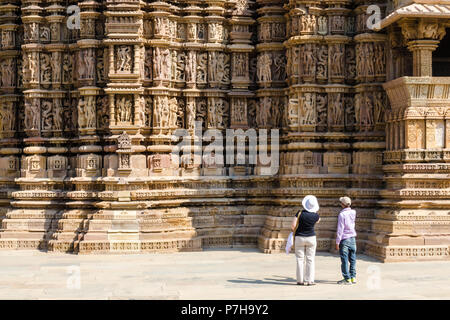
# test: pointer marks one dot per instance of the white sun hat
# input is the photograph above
(310, 203)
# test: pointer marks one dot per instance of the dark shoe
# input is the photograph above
(344, 281)
(300, 284)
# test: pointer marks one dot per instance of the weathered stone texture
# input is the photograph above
(88, 116)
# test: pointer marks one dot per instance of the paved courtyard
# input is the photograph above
(210, 274)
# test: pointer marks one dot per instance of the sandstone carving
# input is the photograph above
(90, 118)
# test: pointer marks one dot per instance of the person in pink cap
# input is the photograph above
(346, 241)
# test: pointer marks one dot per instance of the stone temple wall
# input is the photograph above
(88, 116)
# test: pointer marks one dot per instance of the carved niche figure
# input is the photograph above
(47, 115)
(54, 31)
(264, 72)
(124, 58)
(366, 112)
(86, 113)
(124, 109)
(350, 62)
(161, 62)
(148, 64)
(322, 62)
(292, 115)
(173, 111)
(34, 66)
(148, 110)
(321, 107)
(212, 66)
(307, 109)
(264, 112)
(56, 66)
(358, 102)
(217, 113)
(361, 62)
(89, 62)
(100, 66)
(165, 112)
(7, 39)
(309, 60)
(190, 113)
(180, 66)
(173, 65)
(201, 113)
(350, 25)
(81, 65)
(349, 112)
(19, 73)
(102, 112)
(322, 23)
(292, 29)
(264, 32)
(191, 67)
(309, 24)
(337, 59)
(161, 112)
(337, 24)
(369, 56)
(8, 73)
(378, 107)
(239, 111)
(192, 31)
(7, 116)
(202, 67)
(33, 31)
(215, 32)
(223, 68)
(380, 59)
(32, 115)
(277, 111)
(278, 30)
(46, 69)
(161, 26)
(251, 111)
(180, 113)
(181, 31)
(335, 110)
(280, 67)
(240, 65)
(57, 115)
(45, 34)
(140, 110)
(26, 73)
(67, 68)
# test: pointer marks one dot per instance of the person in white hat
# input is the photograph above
(346, 241)
(305, 239)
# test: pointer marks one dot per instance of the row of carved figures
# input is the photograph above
(310, 109)
(213, 67)
(324, 111)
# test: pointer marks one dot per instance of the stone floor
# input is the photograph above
(210, 274)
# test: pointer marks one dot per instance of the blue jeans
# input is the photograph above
(347, 250)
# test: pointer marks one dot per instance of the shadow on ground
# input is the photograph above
(278, 280)
(360, 256)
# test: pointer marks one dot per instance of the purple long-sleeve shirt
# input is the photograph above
(346, 225)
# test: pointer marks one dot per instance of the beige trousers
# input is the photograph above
(305, 251)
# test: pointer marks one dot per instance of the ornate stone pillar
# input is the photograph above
(11, 104)
(406, 225)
